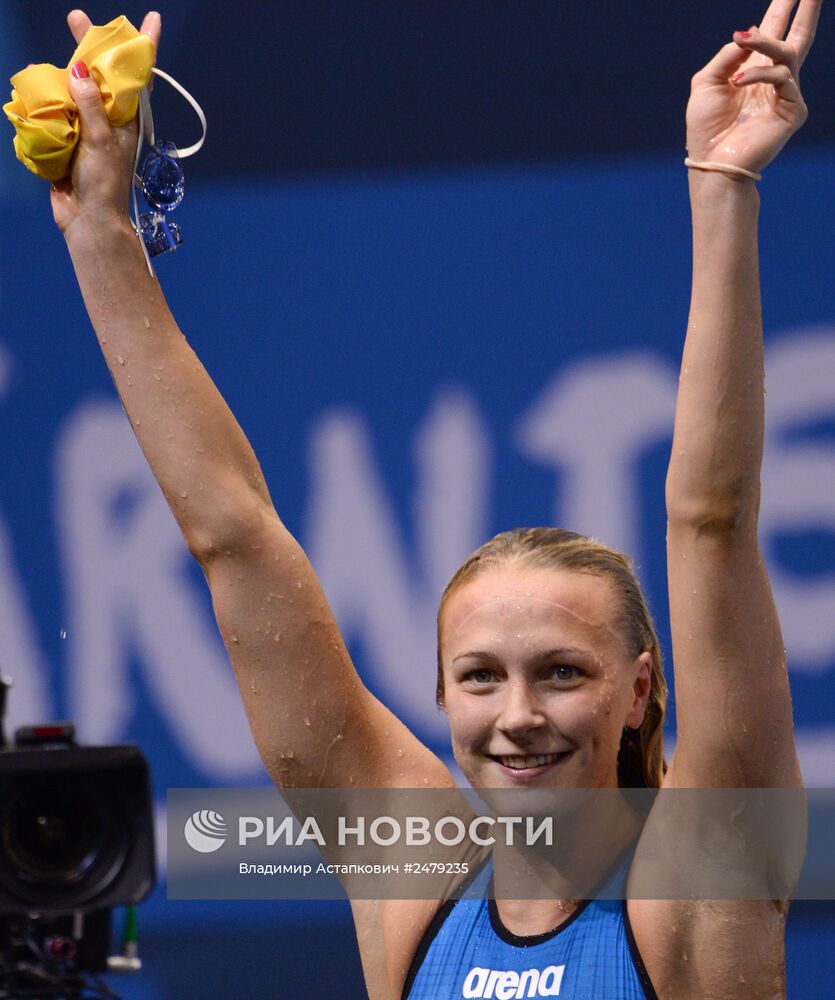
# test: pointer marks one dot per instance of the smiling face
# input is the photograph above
(538, 681)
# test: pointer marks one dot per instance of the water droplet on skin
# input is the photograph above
(184, 495)
(138, 423)
(120, 359)
(253, 685)
(234, 638)
(104, 340)
(147, 323)
(400, 751)
(156, 377)
(299, 584)
(306, 721)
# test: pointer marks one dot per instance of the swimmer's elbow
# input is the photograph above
(233, 530)
(728, 510)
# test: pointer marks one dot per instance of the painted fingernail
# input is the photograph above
(737, 78)
(79, 70)
(744, 34)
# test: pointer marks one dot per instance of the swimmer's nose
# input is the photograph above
(520, 711)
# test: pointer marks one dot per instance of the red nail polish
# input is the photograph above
(737, 78)
(79, 70)
(744, 34)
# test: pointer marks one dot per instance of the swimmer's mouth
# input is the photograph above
(519, 763)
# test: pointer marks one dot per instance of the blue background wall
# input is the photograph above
(426, 343)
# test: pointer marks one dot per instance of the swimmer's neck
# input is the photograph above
(537, 888)
(529, 917)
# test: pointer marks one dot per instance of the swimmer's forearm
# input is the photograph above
(714, 471)
(195, 447)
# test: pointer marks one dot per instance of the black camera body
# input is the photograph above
(76, 828)
(76, 840)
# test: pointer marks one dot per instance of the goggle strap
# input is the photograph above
(146, 116)
(189, 150)
(146, 129)
(146, 132)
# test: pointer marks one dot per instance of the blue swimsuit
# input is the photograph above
(467, 952)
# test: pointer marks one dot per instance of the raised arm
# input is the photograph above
(733, 703)
(313, 720)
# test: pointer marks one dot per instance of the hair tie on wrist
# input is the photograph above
(724, 168)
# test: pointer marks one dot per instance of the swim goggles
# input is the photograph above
(160, 179)
(46, 123)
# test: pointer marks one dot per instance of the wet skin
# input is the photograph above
(534, 664)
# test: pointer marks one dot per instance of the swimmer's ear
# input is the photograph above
(641, 689)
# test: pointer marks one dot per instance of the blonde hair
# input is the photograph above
(641, 757)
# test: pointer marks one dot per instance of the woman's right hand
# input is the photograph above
(99, 184)
(744, 116)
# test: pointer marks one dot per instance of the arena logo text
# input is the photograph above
(503, 985)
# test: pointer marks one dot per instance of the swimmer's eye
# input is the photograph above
(565, 672)
(482, 675)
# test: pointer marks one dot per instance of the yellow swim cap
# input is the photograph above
(46, 117)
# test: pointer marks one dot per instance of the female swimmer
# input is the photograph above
(549, 667)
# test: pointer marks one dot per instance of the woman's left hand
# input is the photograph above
(102, 168)
(746, 103)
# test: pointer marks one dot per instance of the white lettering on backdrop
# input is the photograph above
(128, 592)
(592, 424)
(798, 487)
(355, 545)
(131, 599)
(20, 652)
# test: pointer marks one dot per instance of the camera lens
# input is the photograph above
(76, 828)
(52, 836)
